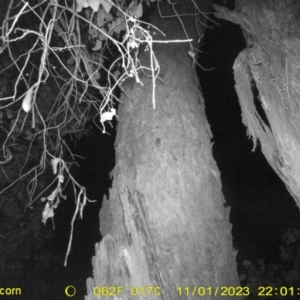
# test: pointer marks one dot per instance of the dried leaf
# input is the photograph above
(107, 4)
(94, 4)
(26, 104)
(135, 10)
(98, 45)
(54, 163)
(81, 4)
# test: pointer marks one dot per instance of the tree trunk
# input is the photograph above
(165, 225)
(271, 61)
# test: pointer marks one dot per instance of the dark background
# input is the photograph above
(262, 208)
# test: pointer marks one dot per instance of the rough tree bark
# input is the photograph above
(165, 224)
(271, 61)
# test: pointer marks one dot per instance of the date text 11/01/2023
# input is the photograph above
(262, 291)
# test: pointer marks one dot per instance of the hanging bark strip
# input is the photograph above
(271, 61)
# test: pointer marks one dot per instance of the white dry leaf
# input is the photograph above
(52, 196)
(132, 6)
(94, 4)
(56, 204)
(82, 205)
(81, 4)
(132, 44)
(47, 213)
(61, 178)
(192, 54)
(26, 104)
(54, 163)
(107, 4)
(108, 116)
(139, 11)
(135, 10)
(98, 45)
